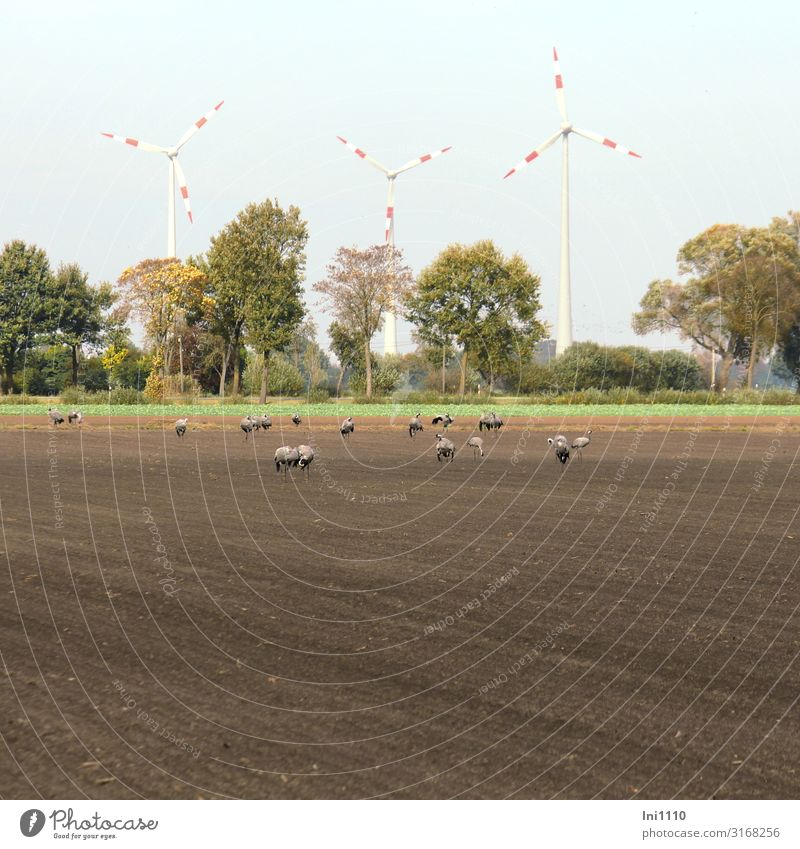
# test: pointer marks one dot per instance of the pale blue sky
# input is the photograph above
(705, 91)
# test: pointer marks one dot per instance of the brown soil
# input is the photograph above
(625, 626)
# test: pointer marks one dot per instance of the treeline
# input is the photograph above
(234, 321)
(738, 299)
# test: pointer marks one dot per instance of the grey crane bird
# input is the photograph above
(445, 419)
(415, 425)
(581, 442)
(287, 457)
(561, 447)
(444, 448)
(490, 421)
(476, 444)
(306, 457)
(246, 424)
(180, 427)
(75, 417)
(266, 422)
(55, 417)
(348, 426)
(296, 419)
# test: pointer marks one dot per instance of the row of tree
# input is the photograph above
(739, 298)
(236, 313)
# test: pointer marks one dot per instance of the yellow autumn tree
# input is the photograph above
(161, 292)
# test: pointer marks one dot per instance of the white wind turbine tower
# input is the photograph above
(564, 321)
(175, 170)
(390, 321)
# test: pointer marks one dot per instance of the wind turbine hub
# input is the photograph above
(172, 153)
(566, 127)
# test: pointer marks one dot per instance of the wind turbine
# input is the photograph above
(175, 170)
(390, 325)
(564, 321)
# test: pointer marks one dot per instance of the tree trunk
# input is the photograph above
(726, 362)
(339, 381)
(226, 353)
(444, 366)
(462, 386)
(8, 379)
(368, 367)
(751, 364)
(74, 351)
(262, 398)
(237, 357)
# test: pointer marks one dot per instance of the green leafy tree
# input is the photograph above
(789, 339)
(256, 266)
(84, 312)
(284, 378)
(346, 348)
(360, 287)
(227, 296)
(485, 302)
(740, 297)
(27, 305)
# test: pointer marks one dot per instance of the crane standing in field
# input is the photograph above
(246, 424)
(305, 457)
(444, 448)
(287, 457)
(55, 417)
(75, 417)
(476, 444)
(348, 427)
(415, 425)
(445, 419)
(490, 421)
(180, 427)
(296, 419)
(581, 442)
(561, 448)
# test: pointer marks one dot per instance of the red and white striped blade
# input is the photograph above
(424, 158)
(361, 154)
(560, 100)
(153, 148)
(605, 141)
(390, 211)
(201, 122)
(533, 155)
(183, 188)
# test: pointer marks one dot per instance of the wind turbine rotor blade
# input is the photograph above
(360, 153)
(183, 188)
(200, 122)
(152, 148)
(595, 137)
(560, 99)
(534, 154)
(424, 158)
(390, 211)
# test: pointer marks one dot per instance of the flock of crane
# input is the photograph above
(302, 456)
